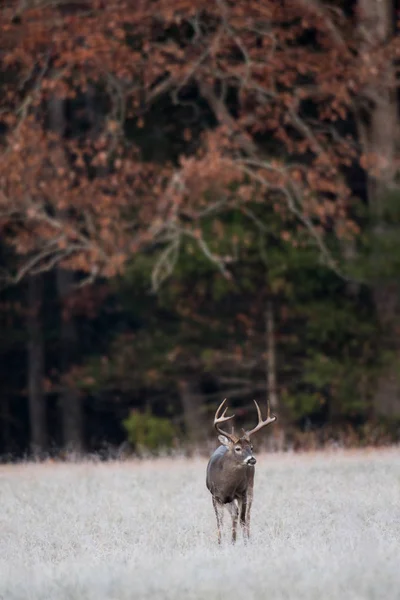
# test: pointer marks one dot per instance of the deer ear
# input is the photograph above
(224, 440)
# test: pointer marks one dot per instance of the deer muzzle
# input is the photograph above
(250, 460)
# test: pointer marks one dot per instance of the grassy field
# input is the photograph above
(324, 526)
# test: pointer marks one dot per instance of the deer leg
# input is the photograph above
(246, 507)
(234, 510)
(219, 513)
(246, 510)
(243, 518)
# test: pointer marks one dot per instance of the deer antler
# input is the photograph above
(222, 419)
(261, 423)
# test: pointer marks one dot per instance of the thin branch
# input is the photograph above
(290, 196)
(247, 60)
(218, 261)
(222, 114)
(31, 266)
(322, 11)
(165, 264)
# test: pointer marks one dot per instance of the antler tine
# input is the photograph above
(259, 411)
(261, 423)
(222, 419)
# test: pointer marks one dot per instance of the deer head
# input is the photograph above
(240, 447)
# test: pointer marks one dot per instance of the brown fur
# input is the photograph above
(231, 482)
(230, 472)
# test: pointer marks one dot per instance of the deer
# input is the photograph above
(230, 472)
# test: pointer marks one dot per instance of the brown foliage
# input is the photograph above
(90, 201)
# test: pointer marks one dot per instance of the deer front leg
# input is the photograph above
(219, 513)
(245, 510)
(234, 510)
(243, 518)
(249, 503)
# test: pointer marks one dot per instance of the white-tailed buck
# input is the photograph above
(230, 472)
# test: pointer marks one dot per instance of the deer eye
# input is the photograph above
(238, 449)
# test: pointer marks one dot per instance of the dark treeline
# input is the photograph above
(198, 200)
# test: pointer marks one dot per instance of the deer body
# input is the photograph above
(227, 480)
(230, 474)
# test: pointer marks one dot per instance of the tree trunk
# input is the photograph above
(37, 406)
(379, 137)
(71, 405)
(277, 439)
(272, 393)
(5, 423)
(192, 412)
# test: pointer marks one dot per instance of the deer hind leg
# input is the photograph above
(234, 510)
(219, 513)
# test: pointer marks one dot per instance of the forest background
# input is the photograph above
(199, 199)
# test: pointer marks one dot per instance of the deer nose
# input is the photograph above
(251, 460)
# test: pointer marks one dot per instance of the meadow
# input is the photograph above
(324, 526)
